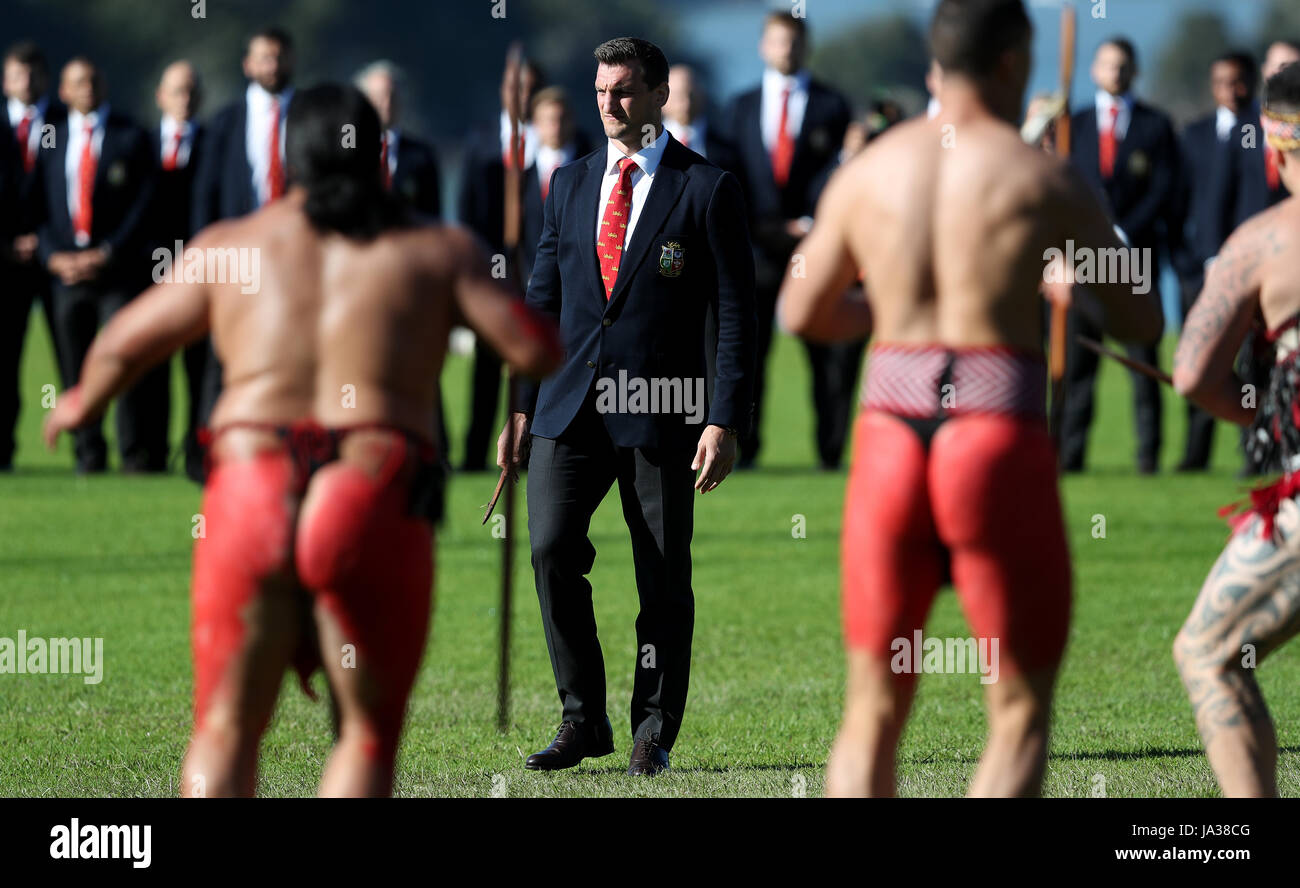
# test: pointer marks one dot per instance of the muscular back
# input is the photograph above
(340, 330)
(950, 227)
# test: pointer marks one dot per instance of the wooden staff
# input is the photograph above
(1059, 314)
(514, 169)
(1155, 373)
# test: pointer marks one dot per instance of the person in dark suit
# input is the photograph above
(1127, 151)
(176, 149)
(686, 117)
(481, 208)
(241, 165)
(1224, 182)
(787, 131)
(412, 164)
(96, 183)
(639, 236)
(28, 110)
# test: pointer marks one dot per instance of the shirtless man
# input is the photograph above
(318, 506)
(1250, 603)
(949, 221)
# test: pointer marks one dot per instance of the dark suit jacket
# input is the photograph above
(1143, 190)
(653, 324)
(481, 203)
(223, 181)
(416, 178)
(124, 185)
(30, 203)
(171, 214)
(817, 148)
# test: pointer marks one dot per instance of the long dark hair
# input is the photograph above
(332, 145)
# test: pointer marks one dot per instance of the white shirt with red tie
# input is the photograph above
(1105, 102)
(691, 135)
(530, 140)
(17, 111)
(77, 127)
(548, 161)
(774, 85)
(647, 162)
(257, 140)
(177, 140)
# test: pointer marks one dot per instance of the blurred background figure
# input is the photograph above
(176, 142)
(28, 107)
(409, 164)
(686, 117)
(97, 181)
(788, 130)
(1126, 150)
(558, 143)
(242, 160)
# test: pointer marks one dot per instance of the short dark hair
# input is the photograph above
(969, 36)
(621, 50)
(1282, 91)
(26, 52)
(796, 23)
(1124, 45)
(274, 33)
(342, 177)
(1244, 61)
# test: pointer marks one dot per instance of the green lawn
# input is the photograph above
(109, 557)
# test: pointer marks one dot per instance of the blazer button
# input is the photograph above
(591, 364)
(607, 322)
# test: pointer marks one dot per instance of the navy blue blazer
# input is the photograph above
(223, 180)
(653, 324)
(30, 203)
(815, 150)
(124, 186)
(1142, 193)
(416, 179)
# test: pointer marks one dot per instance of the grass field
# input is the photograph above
(109, 557)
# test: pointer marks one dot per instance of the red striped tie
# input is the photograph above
(275, 173)
(25, 142)
(85, 188)
(783, 151)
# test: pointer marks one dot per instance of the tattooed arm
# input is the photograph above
(1220, 321)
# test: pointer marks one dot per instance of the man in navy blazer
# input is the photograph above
(1224, 183)
(238, 172)
(639, 238)
(95, 184)
(783, 169)
(28, 109)
(1127, 151)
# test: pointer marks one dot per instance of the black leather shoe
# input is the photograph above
(649, 759)
(573, 743)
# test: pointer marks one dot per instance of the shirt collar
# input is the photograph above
(77, 121)
(775, 80)
(170, 125)
(260, 98)
(1224, 119)
(1105, 101)
(647, 158)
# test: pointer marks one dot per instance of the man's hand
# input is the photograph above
(714, 457)
(92, 262)
(66, 267)
(68, 414)
(25, 247)
(516, 425)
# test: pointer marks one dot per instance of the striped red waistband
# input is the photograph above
(938, 380)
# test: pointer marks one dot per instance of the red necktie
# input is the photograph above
(1108, 145)
(783, 151)
(546, 183)
(383, 163)
(613, 225)
(172, 160)
(275, 173)
(1271, 172)
(24, 141)
(85, 187)
(515, 157)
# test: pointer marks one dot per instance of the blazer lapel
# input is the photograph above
(59, 170)
(587, 206)
(667, 187)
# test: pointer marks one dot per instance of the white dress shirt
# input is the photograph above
(548, 159)
(530, 139)
(774, 84)
(257, 138)
(392, 137)
(76, 145)
(1225, 121)
(693, 135)
(646, 162)
(18, 110)
(1105, 101)
(167, 133)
